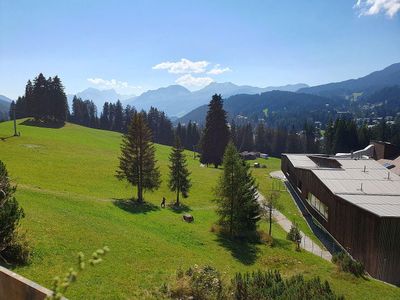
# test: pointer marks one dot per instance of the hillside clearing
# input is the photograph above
(74, 203)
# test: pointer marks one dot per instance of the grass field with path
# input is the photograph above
(73, 202)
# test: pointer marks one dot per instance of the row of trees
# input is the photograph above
(344, 135)
(189, 134)
(237, 190)
(44, 99)
(137, 163)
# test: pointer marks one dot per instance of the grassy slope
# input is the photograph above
(67, 188)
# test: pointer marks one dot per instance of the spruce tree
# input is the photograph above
(216, 133)
(260, 140)
(118, 121)
(236, 194)
(39, 97)
(10, 214)
(179, 180)
(137, 161)
(59, 103)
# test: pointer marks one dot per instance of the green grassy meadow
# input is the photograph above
(73, 202)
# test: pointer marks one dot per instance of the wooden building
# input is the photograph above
(357, 201)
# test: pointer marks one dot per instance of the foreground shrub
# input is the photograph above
(265, 238)
(14, 247)
(294, 235)
(203, 283)
(206, 283)
(347, 264)
(19, 250)
(270, 285)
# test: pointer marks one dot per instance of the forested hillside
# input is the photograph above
(277, 108)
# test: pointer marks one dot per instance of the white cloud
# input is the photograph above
(112, 84)
(373, 7)
(217, 70)
(192, 82)
(184, 66)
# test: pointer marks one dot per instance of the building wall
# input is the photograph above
(385, 150)
(372, 240)
(16, 287)
(388, 260)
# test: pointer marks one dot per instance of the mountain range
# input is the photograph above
(178, 102)
(376, 94)
(4, 107)
(175, 100)
(99, 96)
(368, 84)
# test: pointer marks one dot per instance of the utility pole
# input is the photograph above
(15, 121)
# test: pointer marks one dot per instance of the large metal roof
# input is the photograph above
(383, 206)
(362, 182)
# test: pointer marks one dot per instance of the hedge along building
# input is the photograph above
(357, 201)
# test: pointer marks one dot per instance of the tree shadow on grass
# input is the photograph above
(134, 207)
(241, 249)
(7, 137)
(42, 123)
(283, 244)
(179, 209)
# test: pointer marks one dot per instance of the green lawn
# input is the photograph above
(73, 203)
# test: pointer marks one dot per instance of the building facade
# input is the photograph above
(357, 201)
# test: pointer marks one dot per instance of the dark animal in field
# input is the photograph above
(188, 218)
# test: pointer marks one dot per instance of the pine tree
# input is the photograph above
(29, 101)
(39, 97)
(10, 212)
(118, 121)
(216, 133)
(137, 161)
(260, 140)
(104, 117)
(179, 180)
(238, 208)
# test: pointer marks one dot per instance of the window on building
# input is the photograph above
(319, 206)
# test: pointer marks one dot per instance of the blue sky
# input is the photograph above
(135, 46)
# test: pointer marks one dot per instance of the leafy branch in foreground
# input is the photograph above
(61, 285)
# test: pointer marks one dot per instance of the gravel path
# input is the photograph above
(306, 243)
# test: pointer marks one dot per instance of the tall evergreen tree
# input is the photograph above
(104, 117)
(39, 97)
(260, 140)
(137, 161)
(179, 180)
(10, 213)
(216, 133)
(236, 194)
(118, 117)
(59, 105)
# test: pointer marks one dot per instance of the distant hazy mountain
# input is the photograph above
(5, 99)
(389, 76)
(171, 99)
(176, 100)
(4, 107)
(274, 107)
(99, 96)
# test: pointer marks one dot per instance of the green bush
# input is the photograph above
(270, 285)
(294, 235)
(202, 283)
(347, 264)
(14, 247)
(206, 283)
(19, 250)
